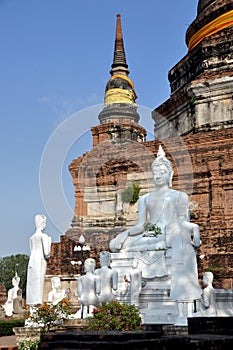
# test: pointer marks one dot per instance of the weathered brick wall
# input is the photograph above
(212, 161)
(210, 186)
(3, 294)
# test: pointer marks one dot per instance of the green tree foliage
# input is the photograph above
(131, 194)
(9, 265)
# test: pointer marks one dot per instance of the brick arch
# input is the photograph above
(114, 172)
(107, 159)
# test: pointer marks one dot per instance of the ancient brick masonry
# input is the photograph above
(209, 184)
(212, 159)
(201, 82)
(62, 253)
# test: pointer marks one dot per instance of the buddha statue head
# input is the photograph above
(207, 278)
(56, 282)
(15, 280)
(162, 169)
(105, 258)
(89, 265)
(40, 221)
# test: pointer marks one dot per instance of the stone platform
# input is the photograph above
(140, 340)
(211, 325)
(151, 337)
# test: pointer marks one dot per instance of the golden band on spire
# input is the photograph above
(219, 23)
(125, 78)
(119, 95)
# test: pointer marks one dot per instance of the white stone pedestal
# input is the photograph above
(154, 302)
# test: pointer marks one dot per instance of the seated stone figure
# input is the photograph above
(18, 304)
(88, 288)
(165, 207)
(12, 294)
(57, 293)
(208, 305)
(108, 278)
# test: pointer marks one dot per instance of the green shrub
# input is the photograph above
(115, 316)
(48, 315)
(6, 326)
(131, 194)
(29, 344)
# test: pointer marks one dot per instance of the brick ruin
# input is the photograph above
(211, 204)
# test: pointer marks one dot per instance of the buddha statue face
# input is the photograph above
(55, 282)
(162, 170)
(15, 280)
(161, 176)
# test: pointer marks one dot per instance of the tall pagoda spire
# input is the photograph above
(120, 96)
(119, 60)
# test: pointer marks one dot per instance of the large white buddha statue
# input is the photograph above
(167, 209)
(164, 207)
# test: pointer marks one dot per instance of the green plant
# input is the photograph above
(109, 132)
(212, 268)
(29, 344)
(131, 194)
(48, 315)
(114, 316)
(192, 100)
(6, 326)
(153, 229)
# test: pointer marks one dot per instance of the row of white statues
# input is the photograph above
(97, 285)
(165, 208)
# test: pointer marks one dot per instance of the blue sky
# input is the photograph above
(55, 62)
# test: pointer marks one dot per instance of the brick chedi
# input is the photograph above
(202, 82)
(195, 128)
(104, 170)
(99, 174)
